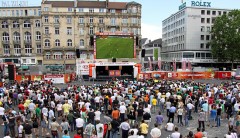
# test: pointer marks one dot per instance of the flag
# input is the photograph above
(159, 63)
(189, 65)
(150, 63)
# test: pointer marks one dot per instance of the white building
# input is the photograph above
(186, 34)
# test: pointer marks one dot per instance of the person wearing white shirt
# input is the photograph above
(155, 132)
(50, 116)
(79, 124)
(122, 110)
(59, 109)
(97, 115)
(125, 128)
(97, 100)
(169, 126)
(175, 134)
(99, 129)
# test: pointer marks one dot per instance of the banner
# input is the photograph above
(190, 75)
(144, 76)
(55, 78)
(115, 73)
(36, 77)
(158, 75)
(83, 69)
(223, 74)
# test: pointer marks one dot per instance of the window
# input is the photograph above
(208, 12)
(113, 21)
(198, 55)
(202, 37)
(202, 28)
(46, 30)
(81, 31)
(28, 49)
(100, 19)
(6, 49)
(69, 19)
(17, 49)
(57, 42)
(16, 24)
(208, 20)
(101, 29)
(81, 42)
(80, 9)
(208, 56)
(47, 43)
(69, 42)
(124, 30)
(69, 9)
(39, 49)
(16, 36)
(5, 37)
(224, 13)
(57, 55)
(202, 20)
(17, 12)
(46, 19)
(213, 12)
(69, 30)
(35, 12)
(91, 20)
(124, 11)
(134, 10)
(219, 13)
(203, 55)
(81, 20)
(37, 23)
(91, 30)
(202, 45)
(113, 30)
(124, 20)
(208, 28)
(101, 10)
(112, 10)
(203, 12)
(207, 37)
(188, 55)
(4, 24)
(57, 30)
(213, 20)
(48, 55)
(13, 13)
(134, 31)
(91, 10)
(45, 8)
(38, 35)
(26, 24)
(207, 46)
(70, 55)
(56, 19)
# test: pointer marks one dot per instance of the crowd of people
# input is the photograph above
(119, 108)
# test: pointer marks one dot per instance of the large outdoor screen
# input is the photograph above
(114, 46)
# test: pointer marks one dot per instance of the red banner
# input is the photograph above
(223, 75)
(190, 75)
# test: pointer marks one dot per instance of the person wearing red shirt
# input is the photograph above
(78, 135)
(21, 107)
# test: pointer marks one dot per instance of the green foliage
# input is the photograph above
(156, 54)
(225, 40)
(114, 47)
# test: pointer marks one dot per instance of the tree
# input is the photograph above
(225, 40)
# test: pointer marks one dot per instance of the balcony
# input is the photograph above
(91, 24)
(27, 41)
(134, 25)
(16, 41)
(5, 42)
(47, 35)
(125, 24)
(113, 26)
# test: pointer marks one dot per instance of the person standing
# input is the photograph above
(99, 129)
(5, 119)
(180, 115)
(201, 119)
(219, 111)
(123, 110)
(172, 111)
(159, 120)
(89, 129)
(27, 129)
(12, 124)
(154, 104)
(114, 130)
(125, 128)
(155, 132)
(79, 125)
(144, 128)
(54, 128)
(213, 115)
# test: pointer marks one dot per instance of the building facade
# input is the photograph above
(21, 33)
(186, 35)
(64, 26)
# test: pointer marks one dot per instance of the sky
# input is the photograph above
(155, 11)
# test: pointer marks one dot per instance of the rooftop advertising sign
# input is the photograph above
(196, 4)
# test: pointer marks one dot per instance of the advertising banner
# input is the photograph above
(190, 75)
(58, 78)
(114, 73)
(36, 77)
(83, 69)
(223, 74)
(144, 76)
(158, 75)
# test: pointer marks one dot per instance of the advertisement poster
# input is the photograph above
(55, 78)
(190, 75)
(114, 73)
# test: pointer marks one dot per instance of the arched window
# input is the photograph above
(4, 24)
(69, 42)
(81, 42)
(38, 35)
(47, 43)
(26, 24)
(37, 23)
(57, 42)
(5, 36)
(16, 36)
(27, 36)
(16, 24)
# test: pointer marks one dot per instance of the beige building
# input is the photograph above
(64, 26)
(20, 33)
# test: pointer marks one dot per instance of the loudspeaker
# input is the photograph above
(114, 60)
(137, 41)
(78, 53)
(11, 72)
(143, 53)
(91, 41)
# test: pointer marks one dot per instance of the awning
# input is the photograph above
(24, 67)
